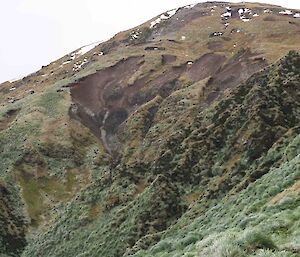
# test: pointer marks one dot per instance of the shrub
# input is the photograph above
(255, 239)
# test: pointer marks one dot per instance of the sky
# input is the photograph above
(35, 32)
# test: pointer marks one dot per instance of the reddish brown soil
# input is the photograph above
(98, 97)
(215, 45)
(270, 18)
(234, 72)
(168, 58)
(104, 100)
(154, 48)
(95, 92)
(206, 65)
(8, 118)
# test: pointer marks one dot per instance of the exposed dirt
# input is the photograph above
(235, 71)
(161, 85)
(94, 95)
(168, 58)
(154, 48)
(215, 45)
(8, 118)
(290, 191)
(104, 100)
(99, 90)
(206, 65)
(270, 18)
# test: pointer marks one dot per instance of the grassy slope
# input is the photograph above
(130, 210)
(52, 157)
(261, 220)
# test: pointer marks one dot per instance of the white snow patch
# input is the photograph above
(246, 10)
(66, 62)
(226, 15)
(267, 11)
(153, 23)
(78, 65)
(87, 48)
(135, 34)
(73, 56)
(216, 34)
(286, 12)
(189, 6)
(297, 15)
(245, 19)
(16, 79)
(83, 50)
(172, 12)
(164, 16)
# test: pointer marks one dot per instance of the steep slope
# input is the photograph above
(201, 164)
(179, 137)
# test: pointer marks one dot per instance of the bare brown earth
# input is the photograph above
(235, 71)
(168, 58)
(206, 65)
(108, 92)
(102, 92)
(8, 118)
(129, 92)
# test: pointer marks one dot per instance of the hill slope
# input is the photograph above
(179, 137)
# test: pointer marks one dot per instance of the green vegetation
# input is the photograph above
(207, 163)
(247, 198)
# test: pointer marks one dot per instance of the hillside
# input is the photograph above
(179, 137)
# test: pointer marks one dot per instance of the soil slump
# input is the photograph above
(206, 65)
(235, 71)
(167, 58)
(104, 100)
(99, 98)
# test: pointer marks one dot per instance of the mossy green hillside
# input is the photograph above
(232, 172)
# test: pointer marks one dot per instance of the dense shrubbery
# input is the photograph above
(242, 151)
